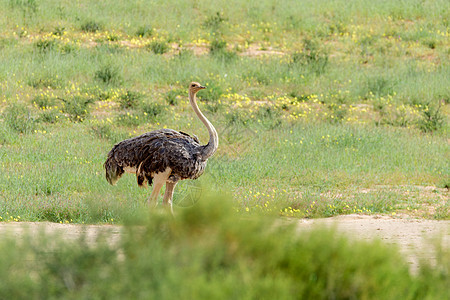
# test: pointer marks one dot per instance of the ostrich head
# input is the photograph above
(194, 87)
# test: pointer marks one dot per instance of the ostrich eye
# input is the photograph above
(193, 85)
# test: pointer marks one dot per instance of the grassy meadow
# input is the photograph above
(322, 107)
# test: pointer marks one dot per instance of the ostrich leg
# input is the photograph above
(168, 195)
(159, 179)
(153, 200)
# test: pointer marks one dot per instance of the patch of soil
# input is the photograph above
(413, 237)
(66, 231)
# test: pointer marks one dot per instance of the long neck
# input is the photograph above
(213, 143)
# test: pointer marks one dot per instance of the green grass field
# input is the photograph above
(322, 108)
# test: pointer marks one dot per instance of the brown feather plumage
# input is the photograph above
(153, 152)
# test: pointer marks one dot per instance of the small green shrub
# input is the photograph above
(158, 47)
(108, 74)
(380, 86)
(337, 113)
(112, 37)
(260, 75)
(335, 26)
(44, 46)
(218, 50)
(130, 119)
(53, 207)
(68, 48)
(212, 93)
(214, 21)
(59, 31)
(444, 183)
(103, 95)
(42, 101)
(146, 111)
(130, 100)
(91, 26)
(399, 116)
(144, 31)
(214, 106)
(152, 109)
(430, 43)
(172, 97)
(256, 93)
(45, 82)
(311, 57)
(185, 54)
(19, 118)
(217, 46)
(49, 116)
(77, 107)
(105, 131)
(269, 117)
(236, 118)
(431, 119)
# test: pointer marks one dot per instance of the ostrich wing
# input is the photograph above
(174, 150)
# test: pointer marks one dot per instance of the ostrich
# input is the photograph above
(163, 156)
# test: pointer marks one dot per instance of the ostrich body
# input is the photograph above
(163, 156)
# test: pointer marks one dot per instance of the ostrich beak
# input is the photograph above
(202, 87)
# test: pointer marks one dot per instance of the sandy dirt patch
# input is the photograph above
(66, 231)
(414, 237)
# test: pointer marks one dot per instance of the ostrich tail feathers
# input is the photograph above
(140, 179)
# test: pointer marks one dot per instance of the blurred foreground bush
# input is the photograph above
(207, 252)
